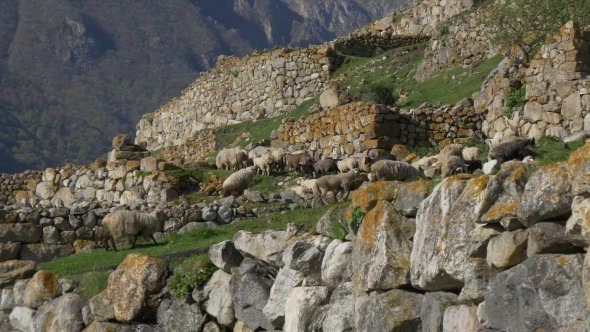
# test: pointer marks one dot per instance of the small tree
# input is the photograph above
(521, 26)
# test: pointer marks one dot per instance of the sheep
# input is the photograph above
(279, 156)
(325, 166)
(453, 165)
(295, 161)
(577, 136)
(238, 159)
(264, 164)
(307, 183)
(300, 190)
(390, 170)
(449, 151)
(502, 137)
(517, 149)
(238, 181)
(125, 224)
(307, 170)
(222, 159)
(347, 164)
(333, 183)
(471, 154)
(473, 165)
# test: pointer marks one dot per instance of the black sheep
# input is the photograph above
(517, 149)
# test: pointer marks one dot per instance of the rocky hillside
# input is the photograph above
(74, 74)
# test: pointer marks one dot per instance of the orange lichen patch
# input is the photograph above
(579, 159)
(448, 182)
(561, 260)
(370, 227)
(49, 281)
(500, 210)
(419, 187)
(366, 198)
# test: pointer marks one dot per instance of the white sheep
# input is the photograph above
(238, 159)
(264, 164)
(471, 154)
(300, 190)
(238, 181)
(334, 183)
(127, 224)
(453, 165)
(391, 170)
(279, 158)
(449, 151)
(307, 183)
(222, 160)
(348, 164)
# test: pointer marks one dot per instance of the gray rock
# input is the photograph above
(22, 319)
(7, 302)
(45, 190)
(303, 302)
(551, 288)
(577, 326)
(218, 298)
(208, 214)
(251, 266)
(45, 253)
(224, 255)
(176, 315)
(381, 252)
(87, 315)
(336, 264)
(224, 215)
(254, 196)
(549, 238)
(90, 220)
(266, 248)
(9, 251)
(67, 237)
(290, 196)
(577, 229)
(212, 327)
(250, 294)
(305, 258)
(480, 237)
(461, 318)
(478, 274)
(340, 316)
(409, 196)
(396, 310)
(101, 307)
(63, 314)
(433, 310)
(507, 249)
(229, 201)
(285, 281)
(138, 327)
(59, 212)
(27, 233)
(579, 163)
(172, 225)
(325, 225)
(5, 322)
(19, 291)
(190, 227)
(329, 99)
(548, 195)
(194, 215)
(97, 326)
(491, 167)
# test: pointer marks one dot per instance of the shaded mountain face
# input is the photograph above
(75, 73)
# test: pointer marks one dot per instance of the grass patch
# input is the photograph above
(337, 229)
(156, 152)
(433, 183)
(450, 86)
(260, 129)
(549, 149)
(89, 284)
(191, 273)
(200, 237)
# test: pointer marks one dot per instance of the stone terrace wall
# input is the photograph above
(264, 84)
(355, 128)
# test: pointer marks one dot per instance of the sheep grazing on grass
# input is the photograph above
(233, 158)
(334, 183)
(471, 154)
(390, 170)
(279, 157)
(348, 164)
(127, 224)
(222, 159)
(453, 165)
(517, 149)
(449, 151)
(238, 181)
(324, 166)
(264, 164)
(296, 161)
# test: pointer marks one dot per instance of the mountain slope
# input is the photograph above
(74, 73)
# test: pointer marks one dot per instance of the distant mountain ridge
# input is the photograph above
(75, 73)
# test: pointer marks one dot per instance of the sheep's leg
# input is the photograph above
(114, 245)
(133, 244)
(345, 195)
(106, 243)
(334, 194)
(154, 239)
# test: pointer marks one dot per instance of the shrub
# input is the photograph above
(149, 120)
(382, 93)
(516, 98)
(337, 229)
(356, 217)
(191, 274)
(444, 29)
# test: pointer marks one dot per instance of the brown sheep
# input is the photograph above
(126, 224)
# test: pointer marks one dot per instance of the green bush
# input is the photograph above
(337, 229)
(149, 120)
(356, 217)
(382, 93)
(516, 98)
(444, 29)
(191, 274)
(549, 149)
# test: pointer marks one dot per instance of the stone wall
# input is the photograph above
(193, 149)
(356, 127)
(264, 84)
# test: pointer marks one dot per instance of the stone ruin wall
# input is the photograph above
(354, 128)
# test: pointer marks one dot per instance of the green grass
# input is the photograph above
(200, 237)
(549, 150)
(260, 129)
(190, 273)
(89, 284)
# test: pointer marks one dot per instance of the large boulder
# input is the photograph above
(578, 225)
(134, 286)
(549, 238)
(177, 315)
(63, 314)
(396, 310)
(547, 195)
(503, 193)
(305, 258)
(336, 264)
(45, 253)
(42, 287)
(218, 299)
(327, 223)
(224, 255)
(66, 197)
(340, 316)
(286, 280)
(507, 249)
(266, 248)
(542, 293)
(250, 293)
(433, 309)
(28, 233)
(22, 319)
(102, 307)
(11, 271)
(443, 225)
(579, 170)
(381, 251)
(303, 303)
(461, 318)
(478, 274)
(367, 196)
(409, 196)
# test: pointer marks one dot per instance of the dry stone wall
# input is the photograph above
(354, 128)
(264, 84)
